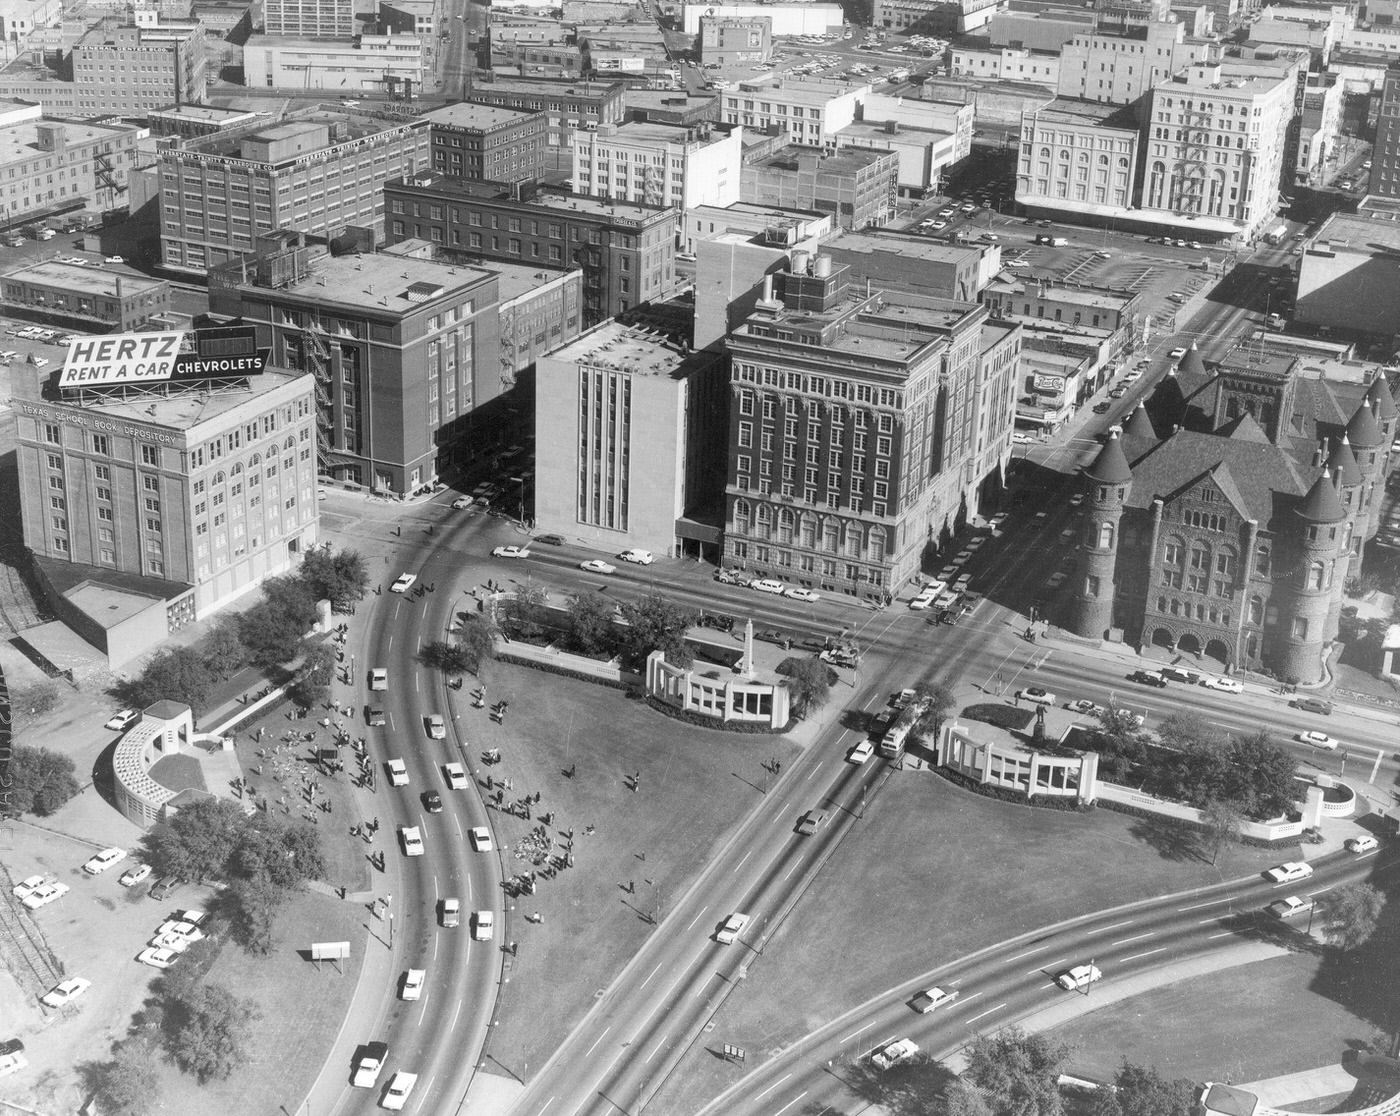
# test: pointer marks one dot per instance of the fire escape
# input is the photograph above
(105, 179)
(1195, 157)
(654, 184)
(316, 354)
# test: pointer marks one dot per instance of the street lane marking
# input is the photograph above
(791, 1103)
(1226, 934)
(741, 861)
(1028, 953)
(416, 688)
(596, 1041)
(1214, 918)
(547, 1104)
(1140, 956)
(1212, 903)
(696, 919)
(650, 975)
(772, 1087)
(655, 1050)
(963, 1001)
(428, 1090)
(455, 1015)
(987, 1012)
(852, 1035)
(1135, 938)
(796, 864)
(814, 769)
(391, 643)
(1047, 965)
(1106, 929)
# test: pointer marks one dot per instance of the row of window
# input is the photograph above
(784, 560)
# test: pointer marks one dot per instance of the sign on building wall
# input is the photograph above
(1050, 384)
(179, 355)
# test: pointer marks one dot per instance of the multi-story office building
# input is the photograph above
(18, 18)
(810, 111)
(626, 251)
(567, 105)
(1077, 157)
(671, 106)
(316, 175)
(51, 166)
(853, 428)
(859, 187)
(980, 59)
(409, 17)
(128, 70)
(164, 504)
(193, 121)
(735, 41)
(366, 64)
(629, 437)
(310, 19)
(934, 17)
(917, 265)
(404, 353)
(1119, 69)
(659, 164)
(788, 19)
(86, 297)
(1347, 278)
(487, 142)
(1319, 128)
(1385, 157)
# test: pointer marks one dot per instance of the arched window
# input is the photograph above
(1174, 552)
(1256, 610)
(1200, 557)
(1045, 153)
(236, 471)
(1261, 559)
(1317, 575)
(853, 541)
(256, 459)
(877, 544)
(1105, 535)
(831, 536)
(1122, 162)
(1225, 560)
(786, 520)
(742, 511)
(764, 521)
(1103, 160)
(289, 444)
(1084, 158)
(218, 478)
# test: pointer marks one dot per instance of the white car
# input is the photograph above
(1021, 439)
(158, 957)
(403, 583)
(1317, 739)
(45, 894)
(483, 925)
(412, 840)
(924, 600)
(1288, 873)
(799, 594)
(768, 585)
(114, 259)
(193, 917)
(1361, 844)
(370, 1065)
(396, 1095)
(65, 991)
(379, 678)
(1177, 353)
(170, 942)
(456, 776)
(120, 721)
(96, 865)
(861, 752)
(931, 998)
(412, 988)
(178, 928)
(597, 565)
(510, 552)
(1087, 707)
(1287, 908)
(1081, 976)
(640, 557)
(27, 887)
(437, 727)
(480, 838)
(732, 928)
(894, 1052)
(461, 503)
(133, 876)
(1224, 685)
(398, 773)
(1036, 696)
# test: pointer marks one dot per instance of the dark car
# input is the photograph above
(165, 887)
(1148, 678)
(1102, 408)
(718, 621)
(432, 801)
(550, 540)
(1313, 705)
(11, 1046)
(730, 577)
(374, 716)
(772, 635)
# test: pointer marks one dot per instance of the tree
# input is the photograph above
(657, 624)
(477, 640)
(282, 854)
(1222, 823)
(1350, 913)
(211, 1030)
(252, 906)
(35, 700)
(312, 685)
(808, 682)
(1016, 1072)
(196, 843)
(180, 674)
(1261, 777)
(525, 610)
(938, 702)
(961, 1099)
(450, 658)
(590, 623)
(42, 781)
(1142, 1091)
(127, 1085)
(341, 577)
(273, 629)
(224, 653)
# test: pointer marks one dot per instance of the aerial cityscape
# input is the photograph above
(699, 559)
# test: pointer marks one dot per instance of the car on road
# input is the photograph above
(120, 721)
(1103, 255)
(450, 911)
(403, 583)
(432, 802)
(861, 752)
(1036, 696)
(1087, 707)
(412, 986)
(483, 925)
(114, 259)
(1288, 873)
(768, 585)
(374, 716)
(797, 593)
(550, 540)
(1021, 439)
(1148, 678)
(396, 1094)
(732, 928)
(1102, 408)
(480, 838)
(437, 727)
(371, 1062)
(412, 839)
(1316, 739)
(461, 503)
(840, 656)
(1057, 578)
(510, 552)
(1081, 976)
(730, 577)
(1289, 907)
(45, 894)
(456, 775)
(379, 678)
(1224, 685)
(66, 991)
(639, 557)
(810, 822)
(597, 565)
(931, 998)
(1361, 844)
(133, 876)
(1118, 391)
(1313, 705)
(97, 864)
(158, 957)
(1177, 353)
(398, 773)
(894, 1052)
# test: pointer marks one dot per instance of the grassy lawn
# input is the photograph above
(178, 772)
(692, 792)
(968, 872)
(302, 1007)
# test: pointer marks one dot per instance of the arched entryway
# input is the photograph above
(1218, 650)
(1189, 644)
(1163, 638)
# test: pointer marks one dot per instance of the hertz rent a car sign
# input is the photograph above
(133, 358)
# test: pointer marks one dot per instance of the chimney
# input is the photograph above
(892, 127)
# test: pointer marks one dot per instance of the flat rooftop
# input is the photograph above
(517, 280)
(470, 114)
(756, 209)
(646, 132)
(906, 245)
(793, 92)
(84, 280)
(493, 191)
(567, 87)
(1074, 111)
(1078, 296)
(639, 351)
(667, 100)
(1357, 234)
(19, 142)
(842, 159)
(381, 282)
(354, 125)
(191, 409)
(876, 129)
(204, 114)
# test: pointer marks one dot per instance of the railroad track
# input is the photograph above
(22, 946)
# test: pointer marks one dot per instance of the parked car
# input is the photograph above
(1081, 976)
(120, 721)
(164, 888)
(1036, 696)
(894, 1052)
(461, 503)
(133, 876)
(158, 957)
(26, 887)
(732, 928)
(799, 594)
(550, 540)
(1224, 685)
(510, 552)
(639, 557)
(1313, 705)
(768, 585)
(97, 864)
(1361, 844)
(1148, 678)
(114, 259)
(66, 991)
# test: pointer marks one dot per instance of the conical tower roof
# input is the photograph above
(1379, 394)
(1342, 463)
(1169, 401)
(1191, 364)
(1111, 465)
(1362, 429)
(1322, 504)
(1139, 425)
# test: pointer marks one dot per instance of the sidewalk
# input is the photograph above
(1305, 1085)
